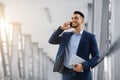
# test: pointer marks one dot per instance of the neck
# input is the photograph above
(78, 29)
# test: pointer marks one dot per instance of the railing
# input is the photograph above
(20, 57)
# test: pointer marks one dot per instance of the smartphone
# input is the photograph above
(70, 24)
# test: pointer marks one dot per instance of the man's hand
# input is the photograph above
(78, 67)
(65, 26)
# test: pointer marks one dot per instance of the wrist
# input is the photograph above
(61, 28)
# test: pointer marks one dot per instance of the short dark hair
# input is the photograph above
(80, 13)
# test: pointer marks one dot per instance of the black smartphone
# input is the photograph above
(70, 24)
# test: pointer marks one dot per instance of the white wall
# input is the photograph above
(32, 15)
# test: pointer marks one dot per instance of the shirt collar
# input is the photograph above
(80, 33)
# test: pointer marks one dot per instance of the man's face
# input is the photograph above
(77, 20)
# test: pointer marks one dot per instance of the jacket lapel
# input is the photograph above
(81, 41)
(83, 37)
(68, 37)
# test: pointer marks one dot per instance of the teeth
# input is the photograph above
(74, 22)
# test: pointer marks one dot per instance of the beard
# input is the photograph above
(74, 26)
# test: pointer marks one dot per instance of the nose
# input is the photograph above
(73, 19)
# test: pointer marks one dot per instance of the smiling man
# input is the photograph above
(79, 42)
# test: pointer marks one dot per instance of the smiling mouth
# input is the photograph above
(74, 23)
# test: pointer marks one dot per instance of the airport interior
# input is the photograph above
(26, 26)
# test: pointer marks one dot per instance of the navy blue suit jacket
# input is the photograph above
(87, 47)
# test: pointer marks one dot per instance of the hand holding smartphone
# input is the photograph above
(66, 26)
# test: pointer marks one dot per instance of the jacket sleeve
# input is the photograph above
(55, 37)
(94, 53)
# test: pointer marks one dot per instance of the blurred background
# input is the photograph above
(26, 25)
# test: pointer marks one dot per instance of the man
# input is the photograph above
(79, 42)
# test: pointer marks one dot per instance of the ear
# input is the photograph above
(82, 20)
